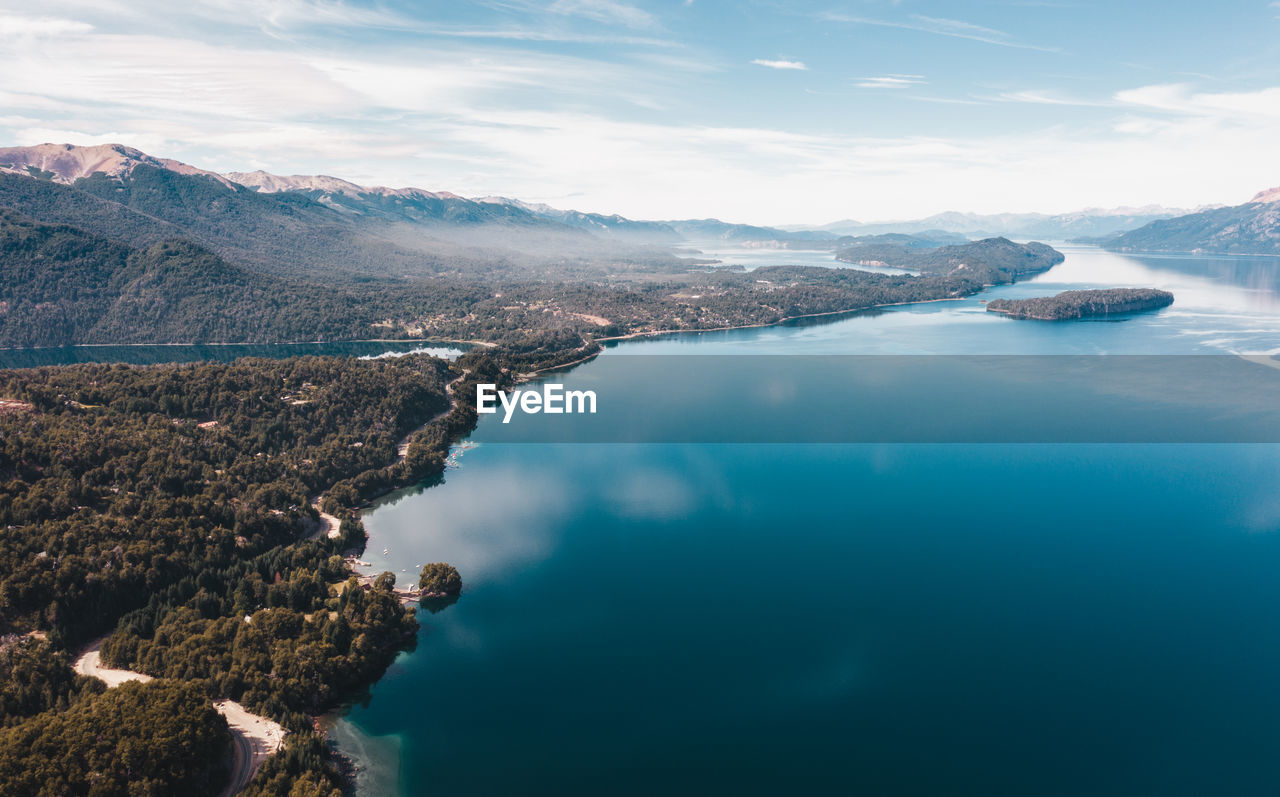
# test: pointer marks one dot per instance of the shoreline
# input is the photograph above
(1174, 252)
(256, 738)
(339, 715)
(656, 333)
(779, 322)
(490, 344)
(420, 341)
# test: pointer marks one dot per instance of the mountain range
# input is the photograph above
(513, 223)
(1252, 228)
(293, 226)
(109, 244)
(1091, 222)
(285, 224)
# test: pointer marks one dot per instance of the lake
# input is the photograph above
(750, 258)
(882, 618)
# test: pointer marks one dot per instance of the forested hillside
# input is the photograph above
(992, 261)
(1251, 229)
(280, 234)
(316, 236)
(60, 286)
(156, 738)
(170, 503)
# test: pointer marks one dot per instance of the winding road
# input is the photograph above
(402, 449)
(254, 738)
(330, 526)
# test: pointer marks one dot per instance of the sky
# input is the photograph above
(755, 111)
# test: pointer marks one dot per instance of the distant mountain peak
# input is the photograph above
(271, 183)
(66, 163)
(532, 207)
(267, 183)
(1270, 195)
(1252, 229)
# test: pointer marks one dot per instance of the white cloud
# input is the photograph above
(1179, 98)
(11, 25)
(890, 82)
(780, 64)
(134, 74)
(960, 28)
(941, 27)
(606, 11)
(1045, 98)
(739, 173)
(276, 19)
(541, 35)
(497, 118)
(947, 100)
(774, 176)
(282, 19)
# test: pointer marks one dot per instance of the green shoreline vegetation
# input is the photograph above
(168, 502)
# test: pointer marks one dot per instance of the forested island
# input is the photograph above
(1082, 304)
(440, 580)
(170, 505)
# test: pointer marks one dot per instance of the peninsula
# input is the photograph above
(1082, 304)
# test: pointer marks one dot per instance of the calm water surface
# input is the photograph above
(834, 619)
(751, 258)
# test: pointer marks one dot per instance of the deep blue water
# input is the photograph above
(858, 618)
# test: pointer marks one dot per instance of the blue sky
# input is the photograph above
(766, 112)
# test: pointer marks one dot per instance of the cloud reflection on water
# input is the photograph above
(488, 520)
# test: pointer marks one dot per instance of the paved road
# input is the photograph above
(242, 768)
(254, 738)
(402, 450)
(330, 526)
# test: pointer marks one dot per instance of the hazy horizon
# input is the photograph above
(796, 114)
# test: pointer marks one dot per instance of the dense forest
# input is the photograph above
(439, 579)
(61, 286)
(172, 503)
(158, 738)
(36, 676)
